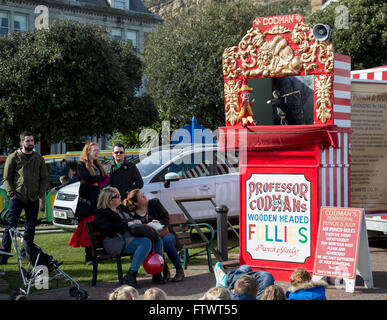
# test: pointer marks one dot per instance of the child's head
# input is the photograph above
(274, 292)
(154, 294)
(217, 293)
(62, 179)
(124, 292)
(299, 275)
(247, 285)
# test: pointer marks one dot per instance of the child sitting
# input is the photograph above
(245, 288)
(303, 288)
(154, 294)
(124, 292)
(274, 292)
(217, 293)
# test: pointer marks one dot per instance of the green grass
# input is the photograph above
(56, 244)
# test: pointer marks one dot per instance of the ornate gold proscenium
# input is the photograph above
(231, 95)
(275, 50)
(276, 57)
(323, 104)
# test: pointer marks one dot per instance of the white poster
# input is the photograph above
(278, 210)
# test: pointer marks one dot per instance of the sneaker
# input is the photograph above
(220, 275)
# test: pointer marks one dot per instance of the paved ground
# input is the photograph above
(199, 280)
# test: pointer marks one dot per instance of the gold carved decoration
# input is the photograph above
(323, 88)
(287, 53)
(231, 96)
(276, 57)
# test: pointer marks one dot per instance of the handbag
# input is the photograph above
(142, 230)
(87, 200)
(163, 232)
(85, 208)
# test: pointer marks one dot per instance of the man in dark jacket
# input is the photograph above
(26, 180)
(123, 174)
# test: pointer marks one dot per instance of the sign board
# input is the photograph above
(369, 145)
(337, 242)
(278, 218)
(341, 242)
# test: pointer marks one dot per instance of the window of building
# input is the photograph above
(4, 24)
(132, 37)
(119, 4)
(20, 22)
(117, 33)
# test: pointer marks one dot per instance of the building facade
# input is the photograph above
(127, 20)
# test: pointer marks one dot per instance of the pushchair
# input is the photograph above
(41, 267)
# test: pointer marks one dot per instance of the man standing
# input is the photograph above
(123, 174)
(25, 179)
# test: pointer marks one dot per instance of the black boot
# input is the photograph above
(166, 273)
(179, 275)
(130, 279)
(159, 279)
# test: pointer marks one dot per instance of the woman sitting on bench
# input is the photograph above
(110, 220)
(145, 211)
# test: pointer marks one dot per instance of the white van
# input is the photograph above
(174, 172)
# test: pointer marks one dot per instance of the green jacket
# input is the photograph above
(25, 178)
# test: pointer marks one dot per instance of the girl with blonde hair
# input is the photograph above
(124, 292)
(154, 294)
(217, 293)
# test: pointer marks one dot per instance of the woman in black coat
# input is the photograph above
(110, 219)
(145, 211)
(93, 178)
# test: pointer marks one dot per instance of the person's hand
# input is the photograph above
(134, 222)
(52, 190)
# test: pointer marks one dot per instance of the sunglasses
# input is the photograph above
(118, 152)
(116, 196)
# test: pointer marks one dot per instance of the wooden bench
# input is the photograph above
(183, 229)
(99, 254)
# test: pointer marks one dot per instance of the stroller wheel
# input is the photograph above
(73, 291)
(18, 295)
(81, 294)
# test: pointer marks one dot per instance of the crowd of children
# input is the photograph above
(242, 284)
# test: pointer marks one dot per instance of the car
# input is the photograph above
(173, 172)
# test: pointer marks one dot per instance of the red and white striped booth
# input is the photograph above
(287, 172)
(377, 73)
(335, 162)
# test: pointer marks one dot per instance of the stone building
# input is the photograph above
(127, 20)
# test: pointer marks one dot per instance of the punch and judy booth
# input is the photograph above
(287, 114)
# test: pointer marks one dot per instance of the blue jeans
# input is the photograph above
(264, 279)
(169, 242)
(15, 208)
(140, 247)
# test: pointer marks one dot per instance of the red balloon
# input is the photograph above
(153, 263)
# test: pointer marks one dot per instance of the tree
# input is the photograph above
(183, 57)
(363, 36)
(66, 82)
